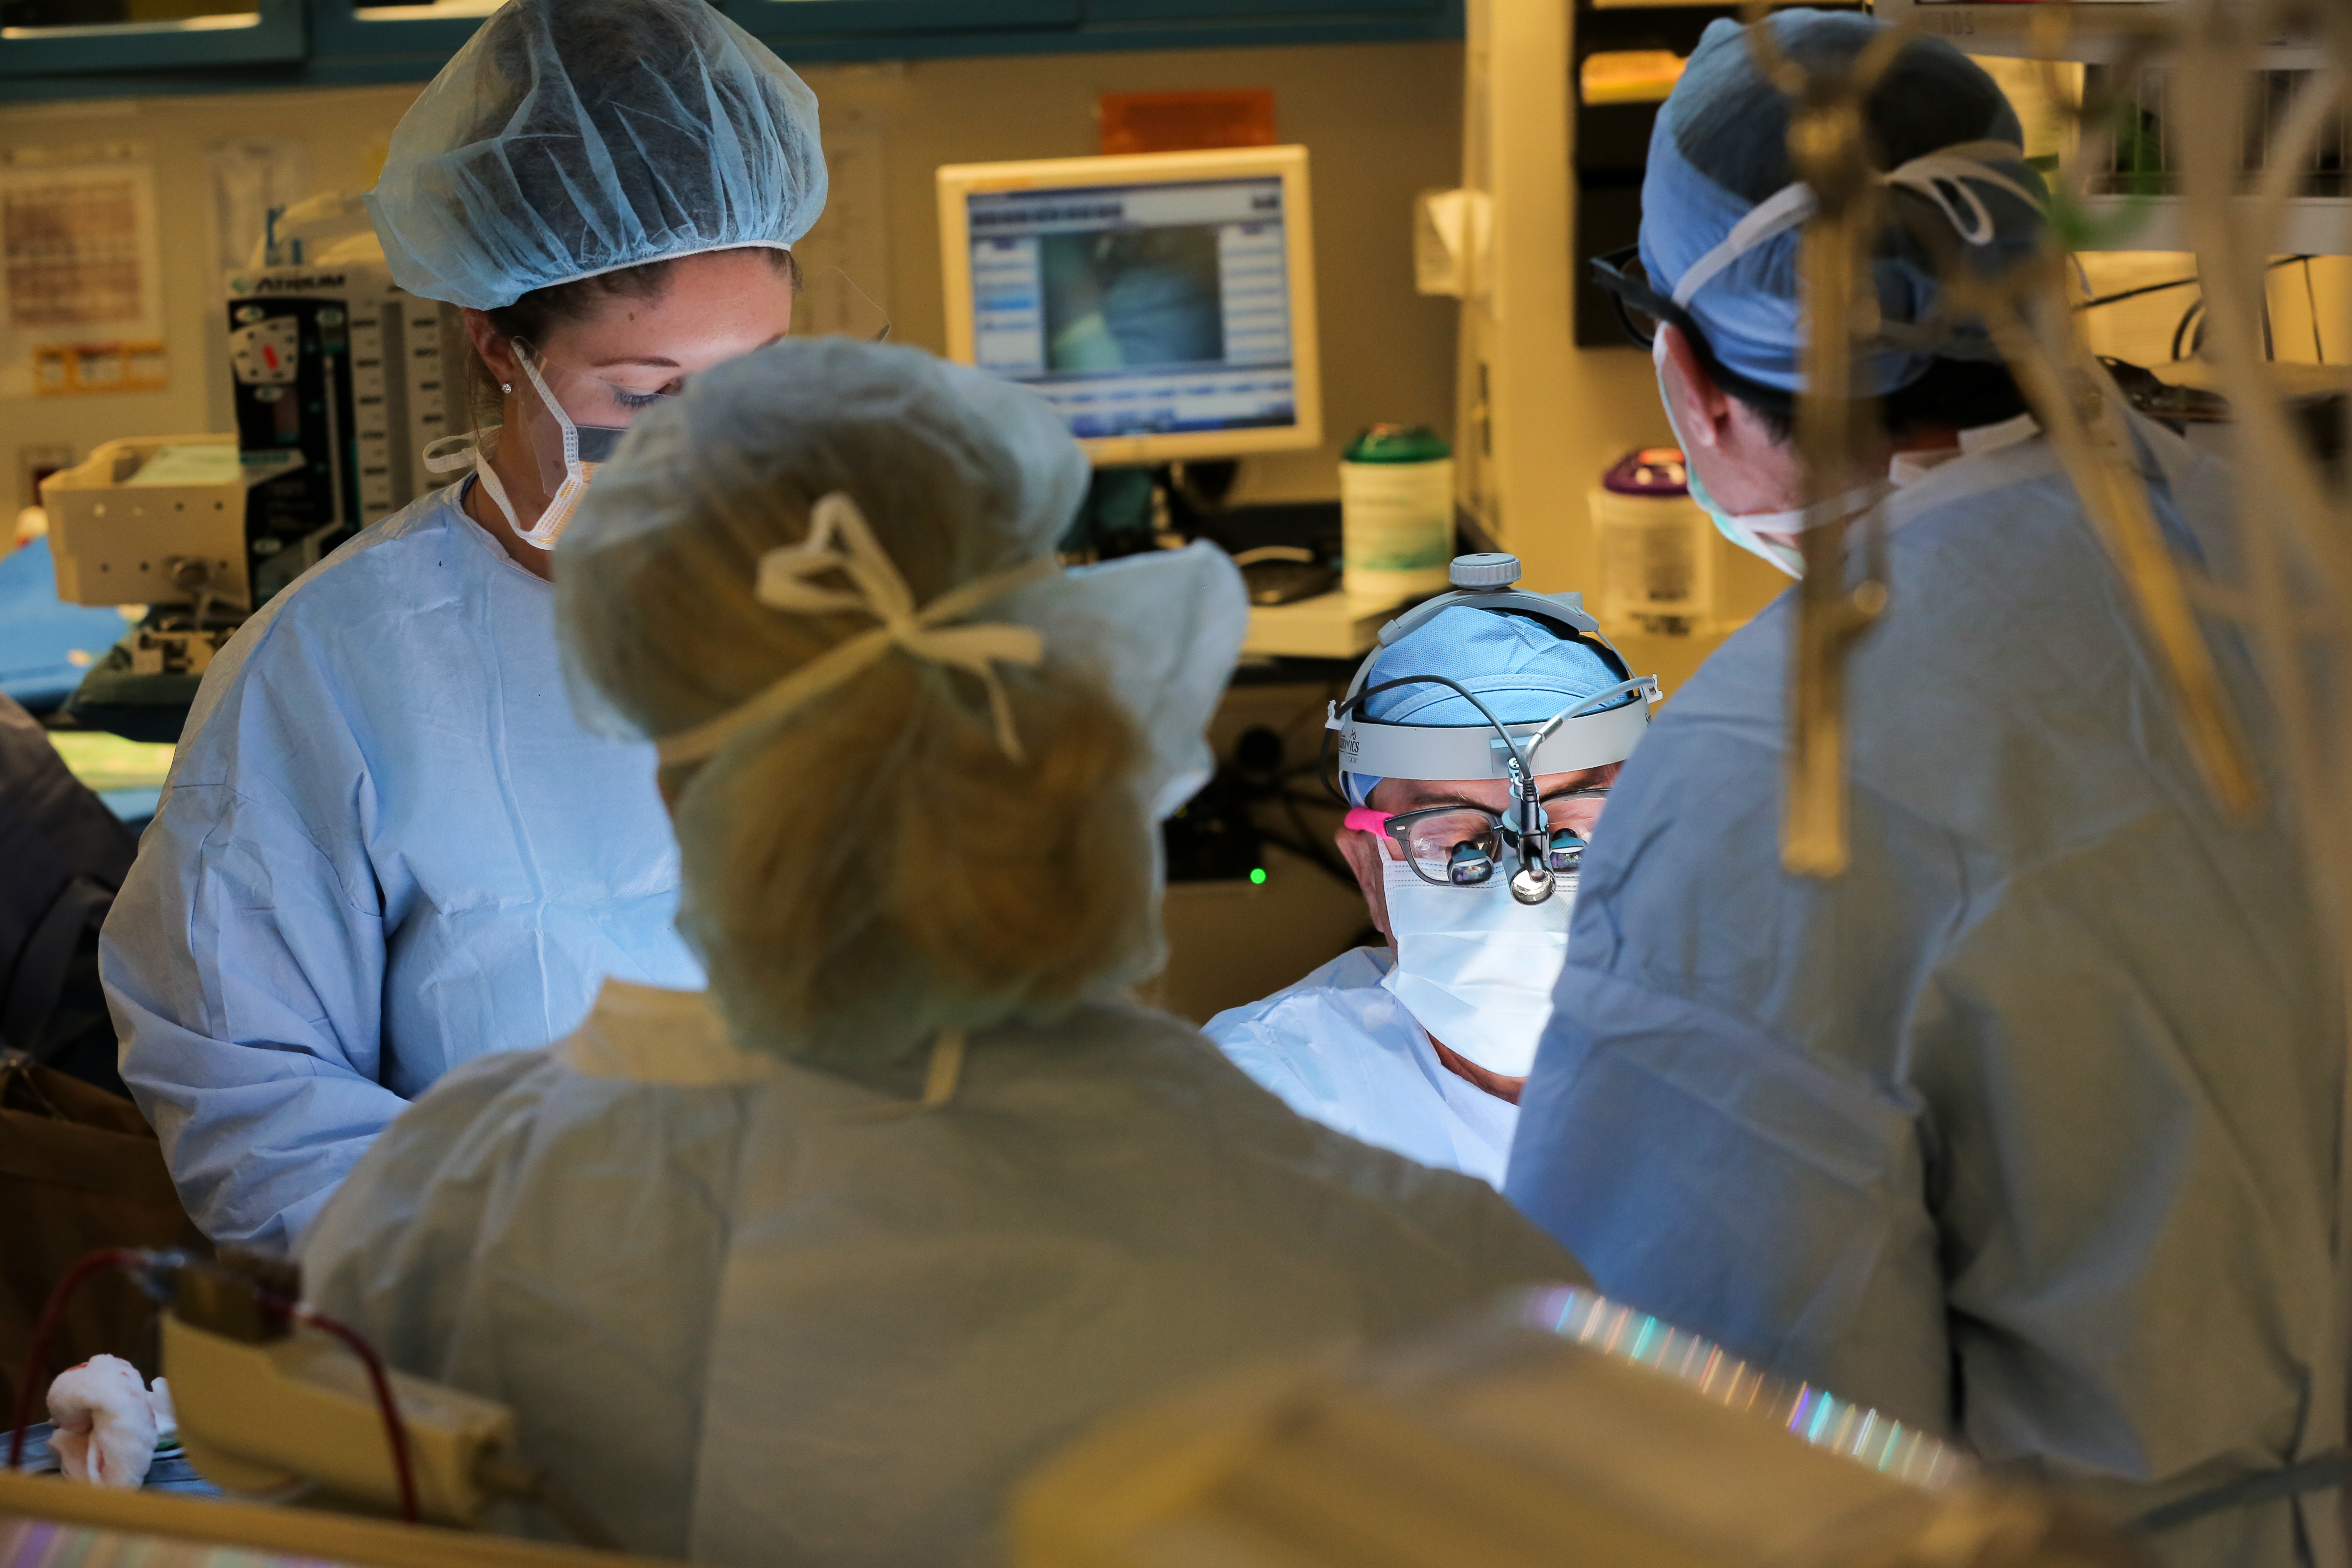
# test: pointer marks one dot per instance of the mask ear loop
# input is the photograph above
(455, 454)
(550, 522)
(489, 479)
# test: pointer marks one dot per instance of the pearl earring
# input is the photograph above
(505, 387)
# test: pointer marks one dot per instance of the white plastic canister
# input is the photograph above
(1396, 507)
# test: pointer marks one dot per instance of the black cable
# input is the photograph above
(2197, 305)
(2311, 295)
(1509, 741)
(2181, 332)
(2124, 294)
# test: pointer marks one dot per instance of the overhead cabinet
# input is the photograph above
(109, 48)
(64, 37)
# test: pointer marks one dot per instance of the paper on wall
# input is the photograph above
(80, 260)
(845, 259)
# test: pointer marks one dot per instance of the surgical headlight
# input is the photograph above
(1591, 732)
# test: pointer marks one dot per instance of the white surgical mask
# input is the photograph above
(1477, 967)
(1745, 530)
(569, 453)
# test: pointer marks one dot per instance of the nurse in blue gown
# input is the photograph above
(386, 848)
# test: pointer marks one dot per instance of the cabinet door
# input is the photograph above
(362, 27)
(785, 20)
(49, 37)
(1266, 11)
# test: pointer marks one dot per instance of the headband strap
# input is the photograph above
(840, 540)
(1936, 175)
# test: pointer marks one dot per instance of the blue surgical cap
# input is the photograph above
(574, 137)
(1720, 149)
(1520, 666)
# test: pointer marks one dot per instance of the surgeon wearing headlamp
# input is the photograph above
(2027, 1126)
(1477, 746)
(387, 847)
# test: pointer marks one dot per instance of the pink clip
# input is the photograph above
(1364, 819)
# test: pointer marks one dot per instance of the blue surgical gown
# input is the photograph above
(2026, 1126)
(1339, 1048)
(386, 848)
(747, 1320)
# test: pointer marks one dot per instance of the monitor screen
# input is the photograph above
(1138, 310)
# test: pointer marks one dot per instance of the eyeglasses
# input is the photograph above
(1639, 307)
(1641, 310)
(1460, 846)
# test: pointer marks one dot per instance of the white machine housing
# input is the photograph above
(264, 1418)
(330, 361)
(402, 362)
(118, 541)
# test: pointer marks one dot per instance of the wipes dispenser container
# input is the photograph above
(1656, 548)
(1396, 512)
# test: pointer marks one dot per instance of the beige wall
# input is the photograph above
(1382, 121)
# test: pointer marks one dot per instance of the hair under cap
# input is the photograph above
(867, 862)
(1720, 149)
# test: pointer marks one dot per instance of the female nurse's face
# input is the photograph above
(620, 357)
(627, 351)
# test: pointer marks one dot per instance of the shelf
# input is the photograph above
(271, 30)
(334, 43)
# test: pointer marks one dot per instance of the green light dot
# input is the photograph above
(1257, 877)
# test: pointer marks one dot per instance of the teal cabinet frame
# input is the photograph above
(877, 20)
(1260, 12)
(331, 43)
(339, 29)
(277, 34)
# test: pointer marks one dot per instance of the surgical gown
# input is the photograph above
(1341, 1048)
(2026, 1126)
(386, 848)
(749, 1316)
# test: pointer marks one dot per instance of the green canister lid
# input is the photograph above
(1397, 444)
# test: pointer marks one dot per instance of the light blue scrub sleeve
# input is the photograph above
(245, 958)
(387, 847)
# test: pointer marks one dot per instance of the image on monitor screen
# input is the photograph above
(1138, 310)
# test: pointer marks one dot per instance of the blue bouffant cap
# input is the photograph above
(1720, 151)
(572, 137)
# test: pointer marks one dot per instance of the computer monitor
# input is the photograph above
(1163, 303)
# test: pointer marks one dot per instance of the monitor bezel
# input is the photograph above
(957, 181)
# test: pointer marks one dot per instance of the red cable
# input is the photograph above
(129, 1260)
(37, 1357)
(395, 1432)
